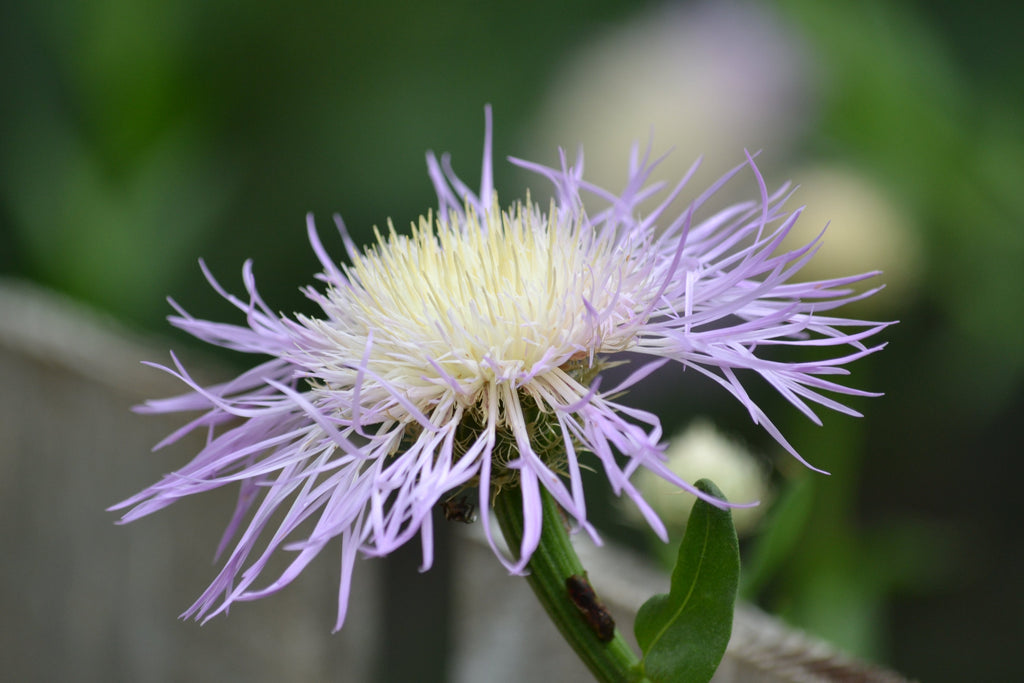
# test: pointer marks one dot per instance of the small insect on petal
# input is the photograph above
(582, 595)
(459, 509)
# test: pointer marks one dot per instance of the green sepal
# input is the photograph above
(683, 634)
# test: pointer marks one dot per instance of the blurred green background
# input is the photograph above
(137, 136)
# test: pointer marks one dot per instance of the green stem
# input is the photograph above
(552, 563)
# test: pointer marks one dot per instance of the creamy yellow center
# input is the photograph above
(492, 298)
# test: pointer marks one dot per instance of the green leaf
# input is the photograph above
(779, 536)
(683, 634)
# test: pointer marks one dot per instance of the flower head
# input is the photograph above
(469, 353)
(702, 451)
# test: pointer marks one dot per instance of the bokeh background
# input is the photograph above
(137, 136)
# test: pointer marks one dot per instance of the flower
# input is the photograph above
(702, 451)
(866, 225)
(469, 354)
(707, 76)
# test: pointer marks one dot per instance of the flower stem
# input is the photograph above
(552, 563)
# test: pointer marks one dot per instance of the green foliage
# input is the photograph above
(780, 536)
(683, 634)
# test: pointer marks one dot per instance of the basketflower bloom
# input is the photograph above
(704, 452)
(469, 354)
